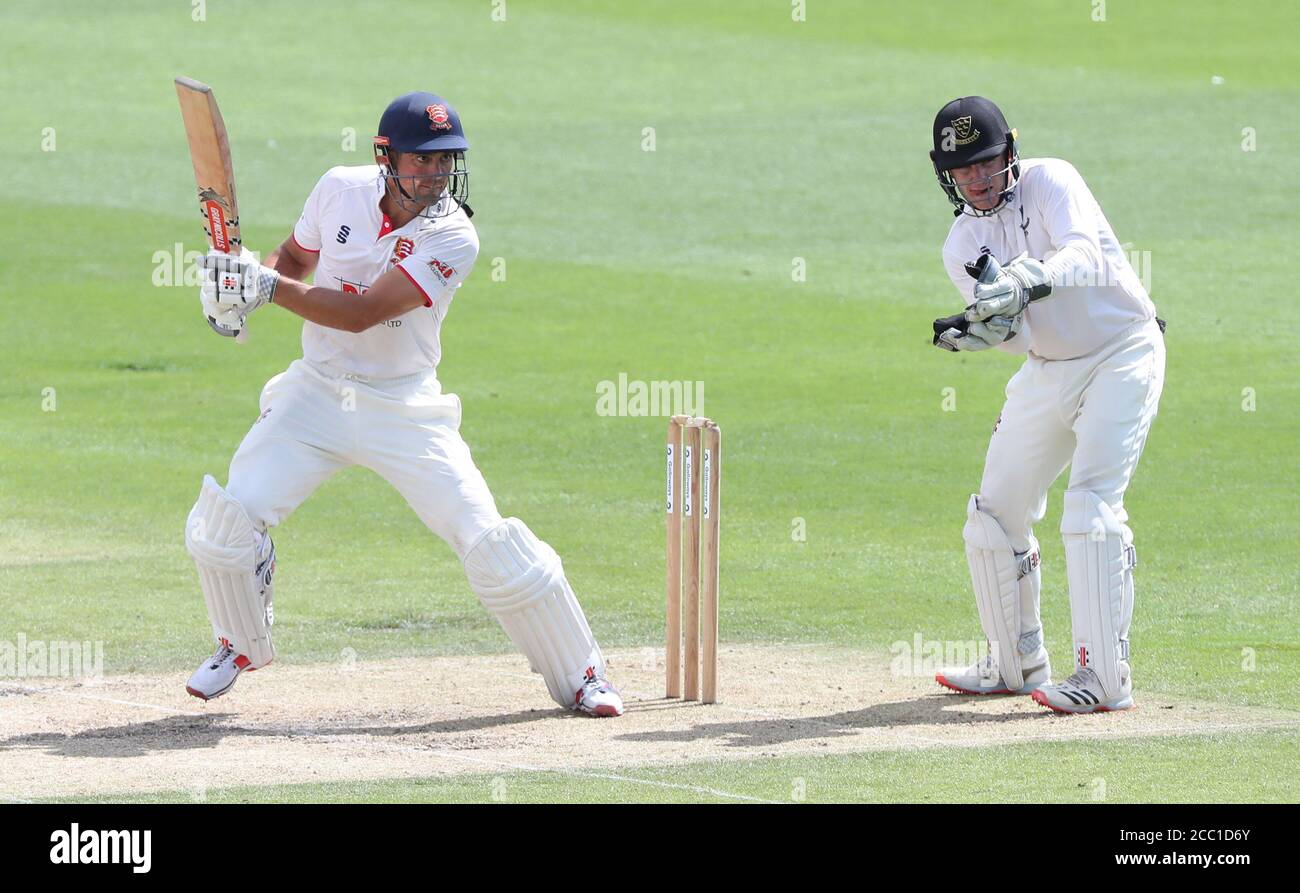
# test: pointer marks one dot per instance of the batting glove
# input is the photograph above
(237, 283)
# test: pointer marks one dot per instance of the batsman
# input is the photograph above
(1041, 273)
(388, 245)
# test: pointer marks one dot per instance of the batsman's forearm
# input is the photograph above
(323, 306)
(286, 265)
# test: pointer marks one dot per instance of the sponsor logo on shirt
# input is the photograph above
(441, 270)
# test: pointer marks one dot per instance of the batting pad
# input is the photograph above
(235, 564)
(1006, 591)
(521, 581)
(1099, 560)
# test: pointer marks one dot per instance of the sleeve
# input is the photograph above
(1069, 212)
(439, 264)
(306, 232)
(955, 263)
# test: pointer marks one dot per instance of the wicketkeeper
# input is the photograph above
(1042, 273)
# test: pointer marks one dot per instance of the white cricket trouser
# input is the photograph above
(1091, 413)
(316, 422)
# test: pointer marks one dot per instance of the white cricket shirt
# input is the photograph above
(1095, 292)
(357, 244)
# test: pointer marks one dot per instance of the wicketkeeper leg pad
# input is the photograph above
(521, 581)
(1006, 587)
(236, 564)
(1099, 561)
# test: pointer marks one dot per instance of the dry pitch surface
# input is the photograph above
(488, 715)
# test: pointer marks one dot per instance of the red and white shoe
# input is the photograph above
(597, 697)
(984, 679)
(217, 675)
(1082, 693)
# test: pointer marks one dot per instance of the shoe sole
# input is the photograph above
(216, 694)
(942, 680)
(205, 697)
(1040, 698)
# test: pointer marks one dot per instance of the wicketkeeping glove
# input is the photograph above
(1010, 289)
(958, 333)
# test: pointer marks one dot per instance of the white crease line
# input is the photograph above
(7, 799)
(520, 767)
(89, 697)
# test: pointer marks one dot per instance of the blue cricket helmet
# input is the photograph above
(424, 122)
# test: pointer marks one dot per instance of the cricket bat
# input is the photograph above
(214, 174)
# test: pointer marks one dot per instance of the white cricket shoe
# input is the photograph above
(597, 697)
(217, 675)
(983, 678)
(1082, 693)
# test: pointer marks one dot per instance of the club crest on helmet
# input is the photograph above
(962, 127)
(438, 118)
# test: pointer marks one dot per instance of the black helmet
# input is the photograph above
(966, 131)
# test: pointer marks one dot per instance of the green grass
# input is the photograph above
(775, 140)
(1254, 768)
